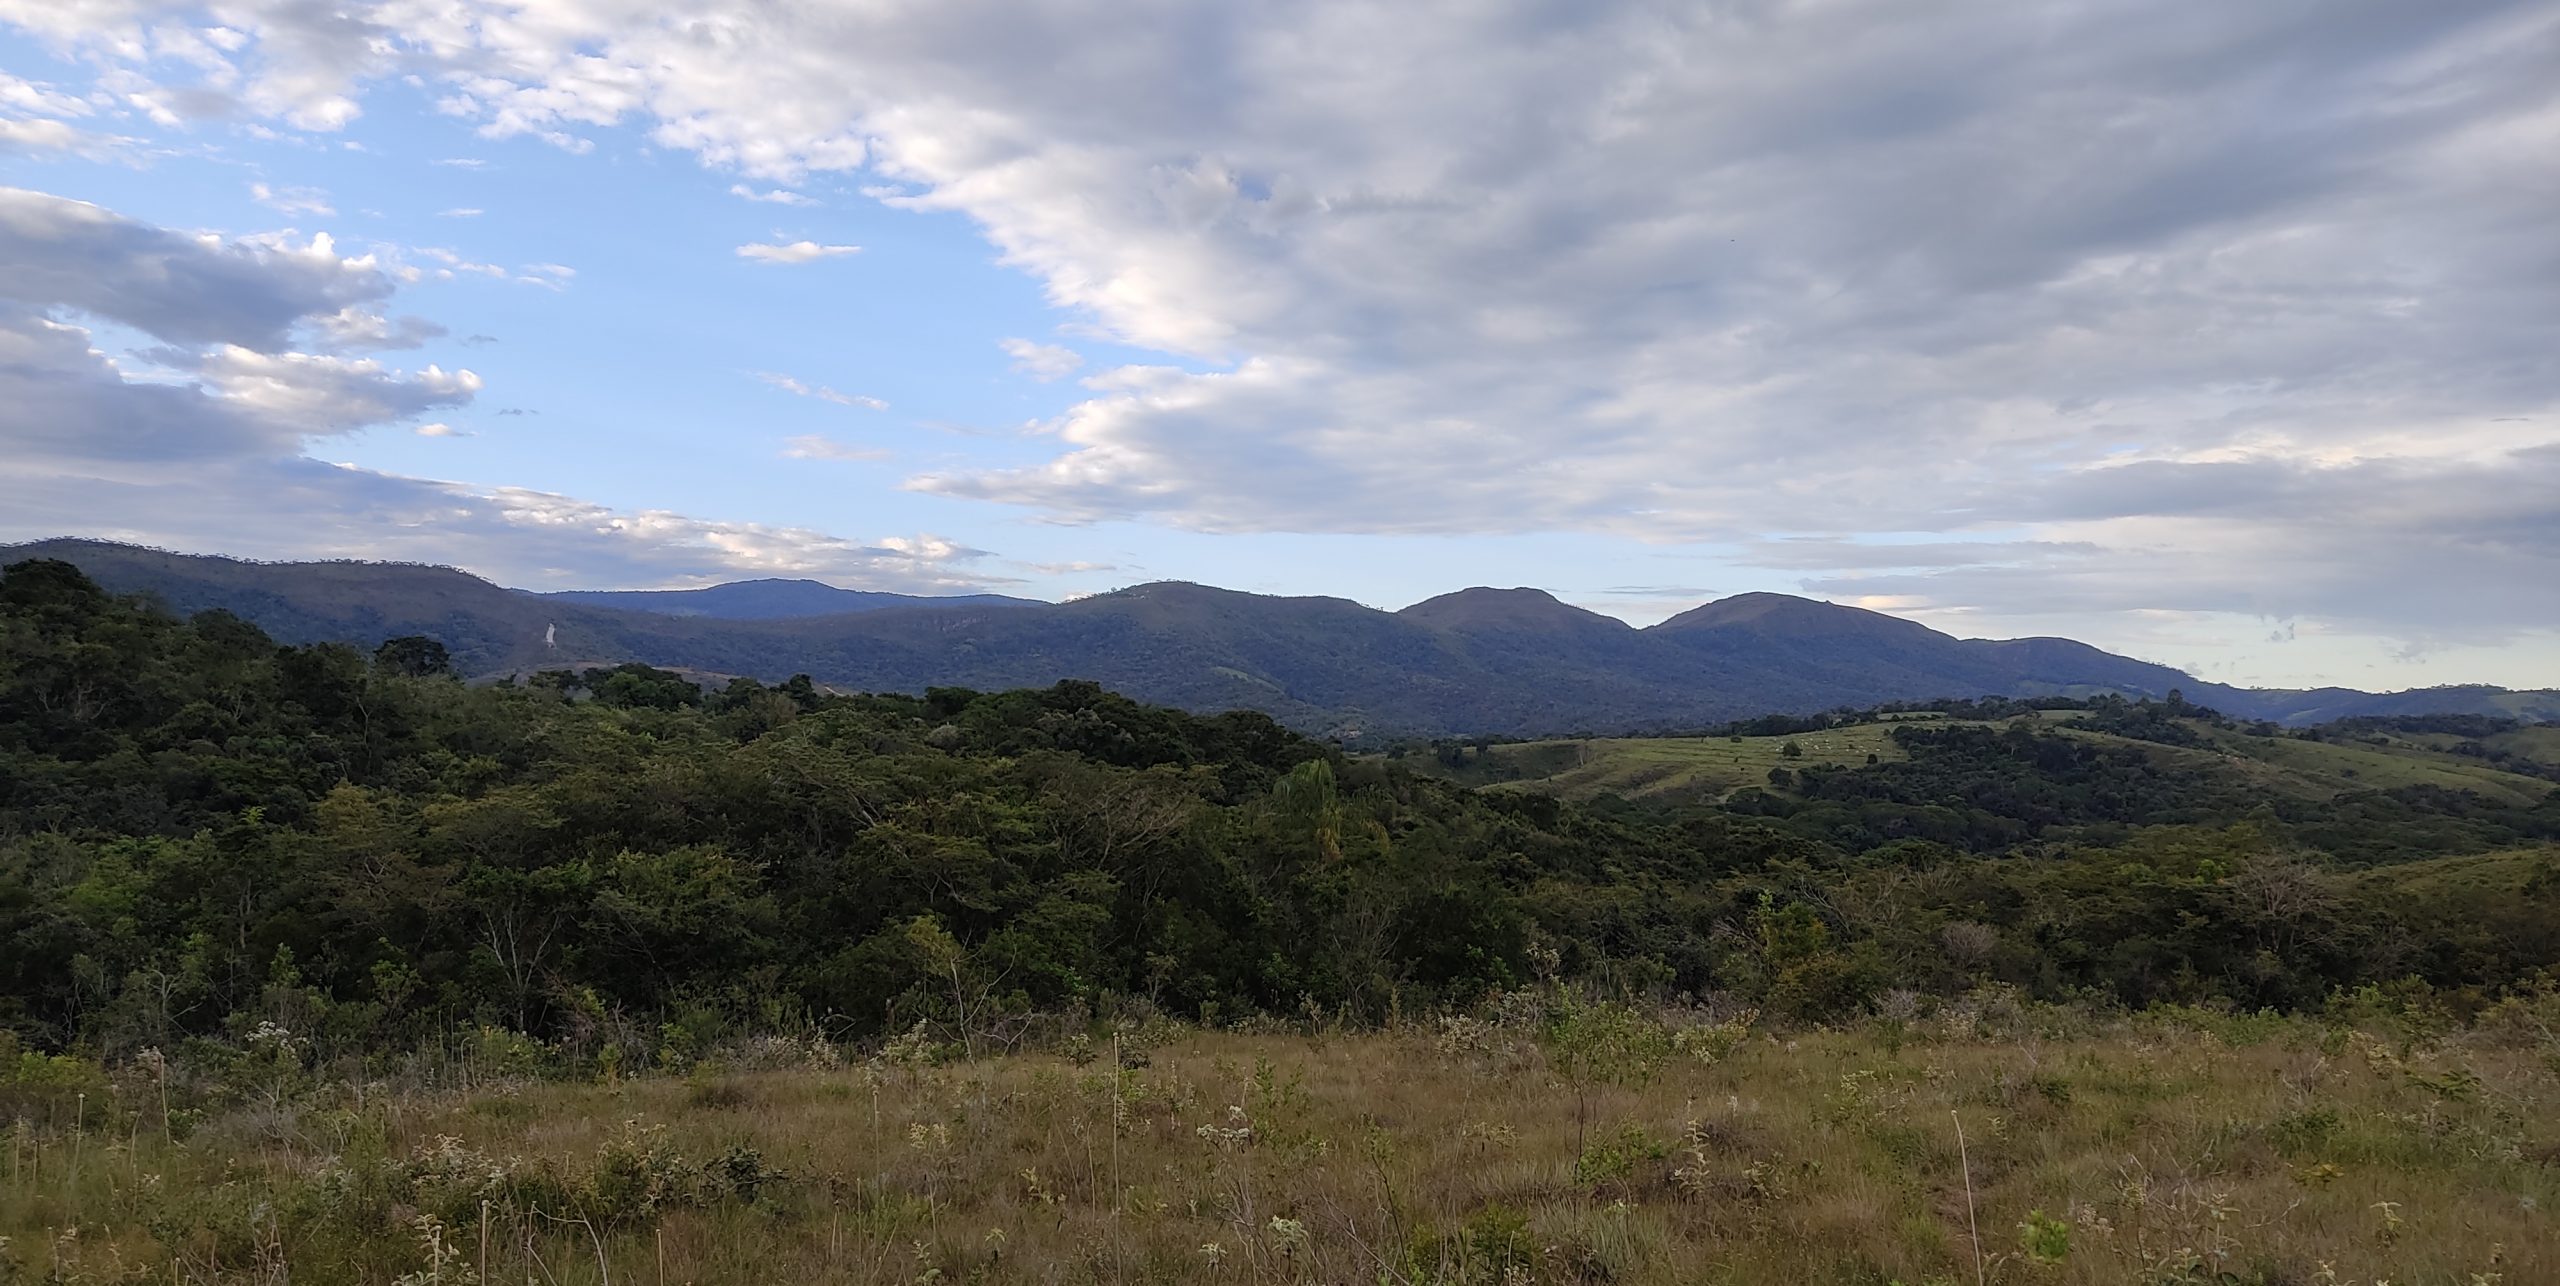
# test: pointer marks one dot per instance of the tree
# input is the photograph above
(413, 655)
(1312, 807)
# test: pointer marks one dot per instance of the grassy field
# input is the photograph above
(1663, 767)
(1710, 768)
(2339, 767)
(2538, 743)
(2541, 743)
(1983, 1143)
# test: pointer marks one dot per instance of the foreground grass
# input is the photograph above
(2154, 1150)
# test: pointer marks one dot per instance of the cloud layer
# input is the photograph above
(2247, 305)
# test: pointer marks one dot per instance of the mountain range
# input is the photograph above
(1478, 661)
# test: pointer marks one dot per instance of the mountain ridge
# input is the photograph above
(1475, 661)
(768, 598)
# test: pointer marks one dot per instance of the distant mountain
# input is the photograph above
(1495, 661)
(1830, 648)
(767, 600)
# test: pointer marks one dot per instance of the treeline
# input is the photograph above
(202, 831)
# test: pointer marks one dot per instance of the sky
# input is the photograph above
(2226, 336)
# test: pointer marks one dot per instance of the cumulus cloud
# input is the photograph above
(821, 392)
(311, 394)
(225, 380)
(66, 405)
(441, 430)
(793, 252)
(1041, 361)
(184, 289)
(1696, 274)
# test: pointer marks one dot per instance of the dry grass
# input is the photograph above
(2172, 1154)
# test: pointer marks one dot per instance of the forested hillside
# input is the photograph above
(201, 830)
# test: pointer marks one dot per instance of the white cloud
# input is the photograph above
(318, 393)
(931, 549)
(42, 137)
(812, 446)
(793, 252)
(549, 276)
(460, 212)
(362, 328)
(292, 200)
(1041, 361)
(461, 163)
(68, 408)
(455, 263)
(770, 196)
(40, 99)
(441, 430)
(821, 392)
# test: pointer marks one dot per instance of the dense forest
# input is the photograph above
(202, 830)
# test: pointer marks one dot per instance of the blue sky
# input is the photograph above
(2221, 338)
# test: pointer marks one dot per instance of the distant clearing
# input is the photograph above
(2348, 766)
(1704, 768)
(1708, 769)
